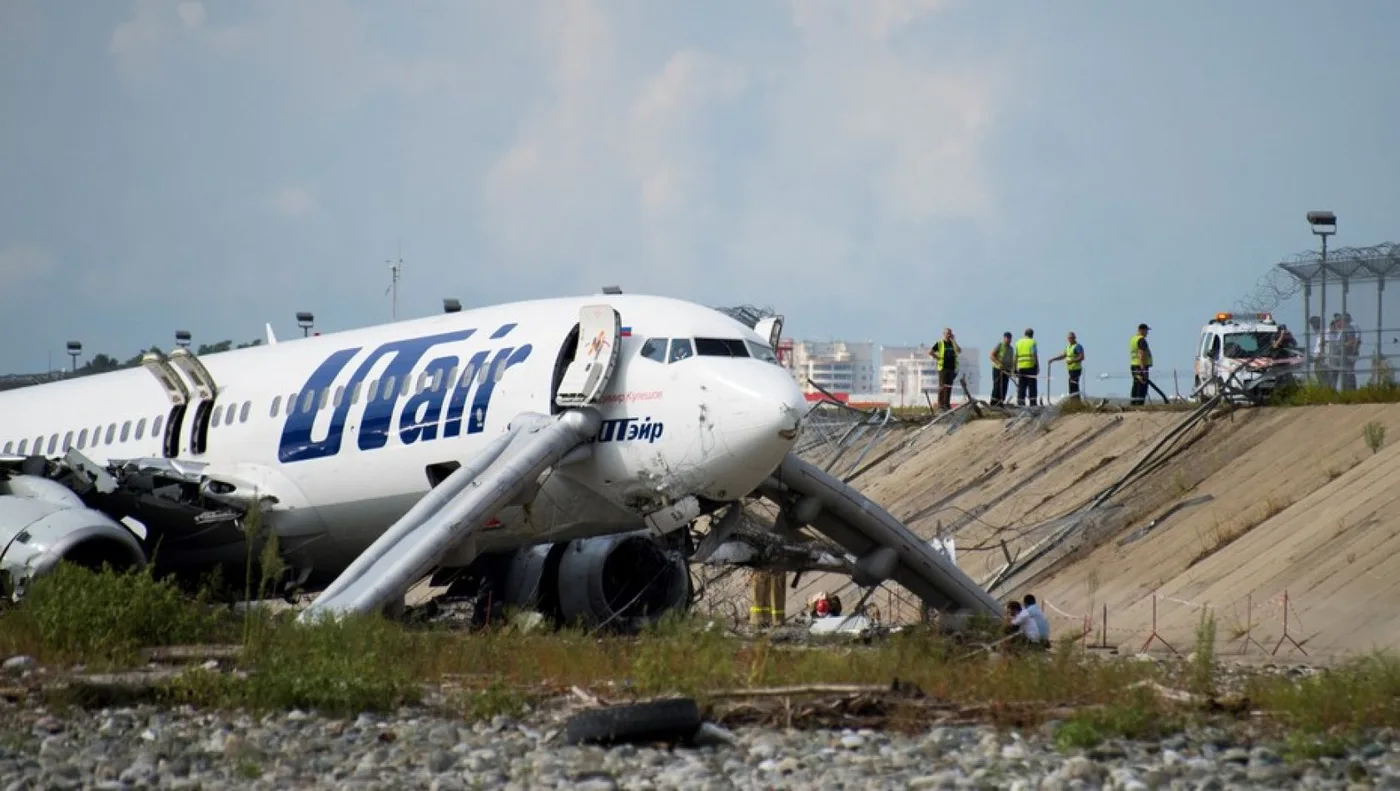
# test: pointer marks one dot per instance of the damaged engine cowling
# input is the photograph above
(43, 522)
(620, 581)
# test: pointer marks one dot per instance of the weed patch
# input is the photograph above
(104, 619)
(1314, 393)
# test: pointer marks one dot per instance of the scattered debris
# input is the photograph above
(675, 720)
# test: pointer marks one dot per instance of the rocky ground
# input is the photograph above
(182, 748)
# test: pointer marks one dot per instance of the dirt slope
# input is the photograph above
(1264, 500)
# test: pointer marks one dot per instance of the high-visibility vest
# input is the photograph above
(1140, 358)
(946, 355)
(1006, 356)
(1025, 353)
(1072, 364)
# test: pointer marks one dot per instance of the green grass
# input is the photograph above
(103, 620)
(1312, 394)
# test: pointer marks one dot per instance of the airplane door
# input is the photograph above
(600, 330)
(178, 394)
(205, 389)
(770, 327)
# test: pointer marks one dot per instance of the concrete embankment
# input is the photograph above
(1234, 513)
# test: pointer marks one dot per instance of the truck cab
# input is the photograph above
(1248, 353)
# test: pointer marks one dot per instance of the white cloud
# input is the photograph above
(191, 13)
(721, 168)
(23, 263)
(294, 201)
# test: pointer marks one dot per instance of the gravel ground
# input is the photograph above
(182, 748)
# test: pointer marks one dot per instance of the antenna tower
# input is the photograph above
(395, 269)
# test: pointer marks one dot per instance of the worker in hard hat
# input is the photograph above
(1073, 355)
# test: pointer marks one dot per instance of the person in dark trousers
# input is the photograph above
(1027, 369)
(945, 352)
(1073, 356)
(1003, 363)
(1141, 363)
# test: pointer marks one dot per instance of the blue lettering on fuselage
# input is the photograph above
(628, 429)
(422, 411)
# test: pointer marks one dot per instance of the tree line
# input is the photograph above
(102, 363)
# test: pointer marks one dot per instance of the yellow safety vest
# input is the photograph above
(944, 354)
(1025, 353)
(1140, 358)
(1070, 363)
(1006, 356)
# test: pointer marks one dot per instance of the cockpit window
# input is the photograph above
(720, 347)
(680, 349)
(761, 352)
(655, 349)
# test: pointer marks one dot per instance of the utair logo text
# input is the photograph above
(421, 418)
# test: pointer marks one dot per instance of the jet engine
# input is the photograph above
(43, 521)
(619, 581)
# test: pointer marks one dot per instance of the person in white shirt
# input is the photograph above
(1025, 624)
(1032, 610)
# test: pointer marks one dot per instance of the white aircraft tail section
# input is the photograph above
(271, 338)
(449, 514)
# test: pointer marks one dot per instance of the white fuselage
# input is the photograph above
(342, 429)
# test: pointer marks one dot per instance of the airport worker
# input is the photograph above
(759, 607)
(1003, 363)
(1073, 355)
(1140, 364)
(1027, 369)
(945, 353)
(777, 597)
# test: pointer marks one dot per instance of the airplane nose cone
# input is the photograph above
(756, 420)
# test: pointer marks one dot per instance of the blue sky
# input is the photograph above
(874, 169)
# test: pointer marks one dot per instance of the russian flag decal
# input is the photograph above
(626, 332)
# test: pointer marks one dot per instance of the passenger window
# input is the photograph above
(7, 446)
(388, 386)
(126, 430)
(291, 403)
(325, 398)
(23, 446)
(156, 424)
(82, 439)
(53, 444)
(500, 370)
(339, 396)
(654, 349)
(245, 411)
(308, 400)
(111, 432)
(422, 382)
(468, 373)
(140, 428)
(67, 441)
(38, 445)
(444, 380)
(680, 350)
(214, 418)
(405, 385)
(276, 405)
(355, 394)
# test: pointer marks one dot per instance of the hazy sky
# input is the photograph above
(875, 169)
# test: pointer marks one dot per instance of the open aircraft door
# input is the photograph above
(178, 394)
(599, 337)
(204, 388)
(771, 329)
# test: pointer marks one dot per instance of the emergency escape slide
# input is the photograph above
(451, 512)
(883, 547)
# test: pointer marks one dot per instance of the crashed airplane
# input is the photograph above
(553, 454)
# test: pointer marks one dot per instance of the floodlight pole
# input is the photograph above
(1324, 224)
